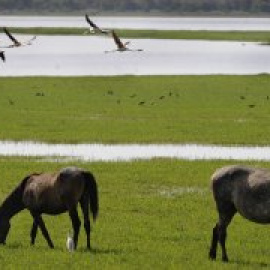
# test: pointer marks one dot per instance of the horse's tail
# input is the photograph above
(92, 189)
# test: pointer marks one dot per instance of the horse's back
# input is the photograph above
(260, 177)
(228, 173)
(39, 190)
(71, 182)
(248, 176)
(54, 193)
(225, 179)
(246, 189)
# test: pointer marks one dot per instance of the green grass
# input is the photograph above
(261, 36)
(154, 214)
(175, 109)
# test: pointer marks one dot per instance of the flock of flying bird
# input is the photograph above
(121, 46)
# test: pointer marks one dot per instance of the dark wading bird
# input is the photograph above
(52, 194)
(239, 189)
(94, 28)
(121, 47)
(17, 43)
(2, 56)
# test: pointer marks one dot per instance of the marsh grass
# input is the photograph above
(137, 227)
(142, 109)
(259, 36)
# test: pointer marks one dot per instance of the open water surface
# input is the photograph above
(129, 152)
(85, 55)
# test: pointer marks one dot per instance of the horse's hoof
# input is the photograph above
(212, 255)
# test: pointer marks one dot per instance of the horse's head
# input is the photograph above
(4, 229)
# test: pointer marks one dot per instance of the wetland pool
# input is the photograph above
(85, 56)
(129, 152)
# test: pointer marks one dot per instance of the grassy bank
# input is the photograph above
(147, 109)
(153, 215)
(260, 36)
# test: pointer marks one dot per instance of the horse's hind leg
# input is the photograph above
(85, 209)
(76, 224)
(213, 248)
(224, 221)
(226, 213)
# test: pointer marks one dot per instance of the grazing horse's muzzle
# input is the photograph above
(4, 229)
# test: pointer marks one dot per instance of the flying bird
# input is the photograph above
(17, 43)
(2, 56)
(121, 47)
(94, 28)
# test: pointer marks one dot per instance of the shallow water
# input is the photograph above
(85, 55)
(173, 192)
(128, 152)
(156, 23)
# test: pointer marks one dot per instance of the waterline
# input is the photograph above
(129, 152)
(150, 23)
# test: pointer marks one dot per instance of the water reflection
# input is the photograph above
(155, 23)
(84, 55)
(127, 152)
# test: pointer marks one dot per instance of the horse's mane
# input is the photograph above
(13, 201)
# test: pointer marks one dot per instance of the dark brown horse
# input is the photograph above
(52, 194)
(239, 189)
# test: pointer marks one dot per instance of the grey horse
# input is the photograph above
(241, 189)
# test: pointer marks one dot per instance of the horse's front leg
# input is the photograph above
(38, 219)
(34, 232)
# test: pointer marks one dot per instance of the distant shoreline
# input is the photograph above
(252, 36)
(138, 14)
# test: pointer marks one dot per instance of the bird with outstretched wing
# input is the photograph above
(17, 43)
(2, 56)
(121, 47)
(94, 28)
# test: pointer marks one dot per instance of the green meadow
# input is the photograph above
(258, 36)
(137, 109)
(154, 214)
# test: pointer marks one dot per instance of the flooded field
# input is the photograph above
(85, 55)
(128, 152)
